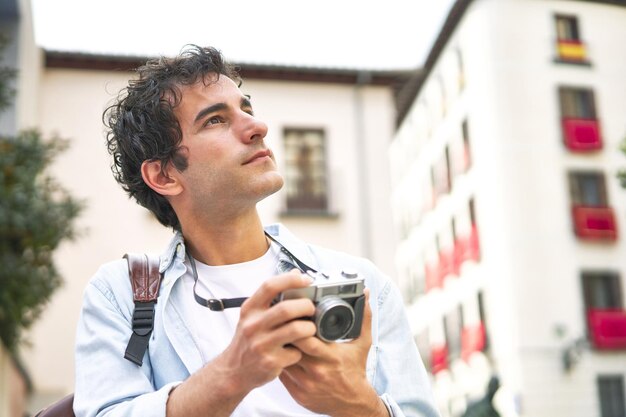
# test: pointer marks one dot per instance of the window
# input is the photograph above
(466, 154)
(602, 290)
(442, 90)
(448, 164)
(611, 393)
(461, 69)
(419, 280)
(570, 48)
(453, 228)
(453, 327)
(606, 318)
(592, 217)
(306, 182)
(440, 174)
(588, 189)
(567, 28)
(577, 103)
(473, 337)
(483, 316)
(472, 211)
(581, 129)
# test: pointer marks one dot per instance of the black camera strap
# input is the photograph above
(219, 304)
(297, 262)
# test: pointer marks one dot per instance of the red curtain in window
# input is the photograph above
(581, 135)
(607, 328)
(594, 222)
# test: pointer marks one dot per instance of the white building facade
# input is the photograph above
(509, 210)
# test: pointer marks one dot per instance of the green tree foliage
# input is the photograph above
(36, 215)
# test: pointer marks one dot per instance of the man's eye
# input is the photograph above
(213, 121)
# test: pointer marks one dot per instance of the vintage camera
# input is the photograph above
(339, 303)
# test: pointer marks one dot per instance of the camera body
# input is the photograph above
(339, 303)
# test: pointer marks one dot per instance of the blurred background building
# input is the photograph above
(16, 29)
(497, 160)
(509, 208)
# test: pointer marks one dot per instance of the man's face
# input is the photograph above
(229, 165)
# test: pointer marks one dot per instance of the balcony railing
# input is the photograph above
(472, 340)
(466, 248)
(437, 271)
(607, 328)
(594, 223)
(438, 358)
(571, 51)
(462, 160)
(446, 264)
(433, 276)
(581, 135)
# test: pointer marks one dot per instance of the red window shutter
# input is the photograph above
(432, 276)
(438, 358)
(472, 340)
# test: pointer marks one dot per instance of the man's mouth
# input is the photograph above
(265, 153)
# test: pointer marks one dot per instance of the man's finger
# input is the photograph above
(366, 326)
(268, 291)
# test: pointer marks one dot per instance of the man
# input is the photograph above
(187, 146)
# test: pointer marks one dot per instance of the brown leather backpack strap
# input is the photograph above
(144, 276)
(61, 408)
(145, 279)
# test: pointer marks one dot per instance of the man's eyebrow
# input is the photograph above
(208, 110)
(245, 102)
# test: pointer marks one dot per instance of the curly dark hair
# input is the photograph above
(141, 125)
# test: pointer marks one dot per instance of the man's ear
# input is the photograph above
(159, 179)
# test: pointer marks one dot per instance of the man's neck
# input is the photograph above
(225, 243)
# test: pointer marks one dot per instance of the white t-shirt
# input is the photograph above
(215, 329)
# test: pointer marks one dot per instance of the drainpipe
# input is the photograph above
(363, 78)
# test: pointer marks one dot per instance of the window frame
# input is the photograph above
(611, 285)
(291, 204)
(573, 27)
(453, 330)
(581, 98)
(617, 403)
(577, 194)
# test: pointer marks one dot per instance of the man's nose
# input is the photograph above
(253, 129)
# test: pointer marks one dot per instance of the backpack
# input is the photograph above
(145, 278)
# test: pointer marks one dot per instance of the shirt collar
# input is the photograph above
(175, 250)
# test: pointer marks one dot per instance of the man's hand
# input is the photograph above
(331, 379)
(263, 345)
(263, 342)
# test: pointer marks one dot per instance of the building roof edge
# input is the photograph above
(413, 86)
(89, 61)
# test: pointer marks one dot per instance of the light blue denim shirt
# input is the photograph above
(107, 384)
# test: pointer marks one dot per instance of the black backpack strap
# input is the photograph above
(145, 278)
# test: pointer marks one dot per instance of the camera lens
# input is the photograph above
(334, 318)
